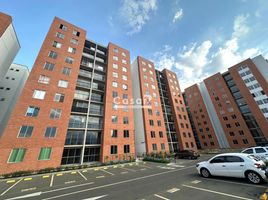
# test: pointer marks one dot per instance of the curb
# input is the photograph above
(264, 196)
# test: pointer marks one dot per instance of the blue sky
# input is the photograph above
(193, 38)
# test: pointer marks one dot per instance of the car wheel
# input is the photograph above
(205, 173)
(253, 177)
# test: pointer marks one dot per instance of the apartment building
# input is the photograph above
(10, 89)
(161, 122)
(150, 131)
(67, 113)
(9, 44)
(233, 105)
(178, 127)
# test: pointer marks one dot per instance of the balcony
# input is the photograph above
(77, 125)
(79, 109)
(97, 97)
(83, 83)
(94, 111)
(99, 77)
(85, 73)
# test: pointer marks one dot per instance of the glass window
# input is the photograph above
(25, 131)
(59, 97)
(71, 50)
(115, 94)
(55, 113)
(56, 44)
(76, 33)
(50, 132)
(126, 133)
(114, 84)
(124, 69)
(260, 150)
(163, 146)
(115, 75)
(114, 133)
(124, 77)
(152, 134)
(124, 61)
(49, 66)
(60, 35)
(161, 134)
(45, 153)
(219, 159)
(39, 94)
(248, 151)
(124, 86)
(74, 41)
(113, 149)
(52, 54)
(63, 27)
(43, 79)
(154, 147)
(17, 155)
(115, 66)
(125, 120)
(63, 84)
(233, 159)
(114, 119)
(115, 58)
(126, 148)
(69, 60)
(32, 111)
(66, 71)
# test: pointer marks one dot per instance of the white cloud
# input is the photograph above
(240, 26)
(195, 62)
(178, 15)
(136, 13)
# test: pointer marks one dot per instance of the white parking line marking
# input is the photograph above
(124, 172)
(64, 188)
(173, 190)
(51, 180)
(100, 176)
(236, 183)
(95, 198)
(27, 196)
(143, 169)
(107, 172)
(11, 187)
(196, 181)
(29, 189)
(161, 197)
(116, 183)
(132, 170)
(82, 175)
(68, 182)
(215, 192)
(145, 166)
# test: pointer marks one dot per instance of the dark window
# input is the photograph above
(158, 123)
(260, 150)
(114, 149)
(150, 112)
(50, 132)
(248, 151)
(219, 159)
(161, 134)
(25, 131)
(151, 122)
(125, 120)
(126, 133)
(114, 133)
(32, 111)
(233, 159)
(126, 148)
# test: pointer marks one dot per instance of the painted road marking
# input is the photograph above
(47, 176)
(27, 196)
(11, 181)
(215, 192)
(161, 197)
(59, 174)
(124, 172)
(173, 190)
(73, 172)
(29, 189)
(143, 169)
(196, 181)
(96, 169)
(132, 170)
(51, 181)
(107, 172)
(65, 188)
(84, 171)
(27, 179)
(82, 175)
(145, 166)
(115, 183)
(11, 187)
(95, 198)
(115, 166)
(100, 176)
(105, 168)
(68, 182)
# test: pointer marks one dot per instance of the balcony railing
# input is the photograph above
(77, 125)
(85, 73)
(94, 125)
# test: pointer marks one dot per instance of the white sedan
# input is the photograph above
(237, 165)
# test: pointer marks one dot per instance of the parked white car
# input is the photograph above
(261, 152)
(238, 165)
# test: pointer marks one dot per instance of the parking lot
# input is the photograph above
(142, 180)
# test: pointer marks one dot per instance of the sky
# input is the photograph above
(193, 38)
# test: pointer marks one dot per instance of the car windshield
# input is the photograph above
(254, 158)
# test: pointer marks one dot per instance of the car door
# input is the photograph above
(261, 152)
(235, 165)
(217, 166)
